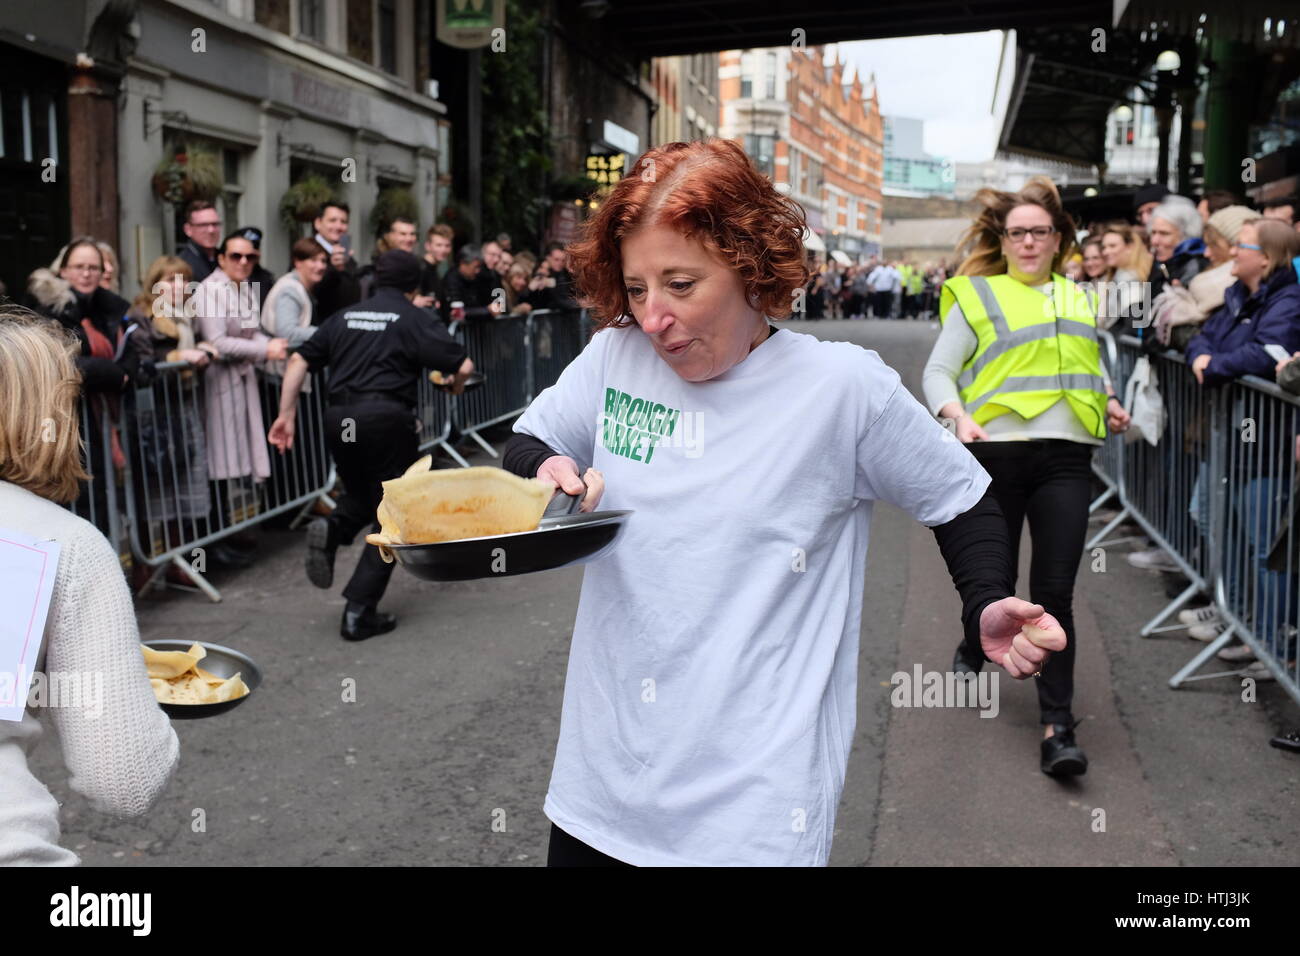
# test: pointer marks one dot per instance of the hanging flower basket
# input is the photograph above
(191, 172)
(301, 202)
(393, 201)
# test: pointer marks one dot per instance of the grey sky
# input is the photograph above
(947, 81)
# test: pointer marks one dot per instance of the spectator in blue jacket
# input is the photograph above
(1261, 308)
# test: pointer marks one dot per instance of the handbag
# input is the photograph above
(1145, 405)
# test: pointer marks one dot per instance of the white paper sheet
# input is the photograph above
(27, 567)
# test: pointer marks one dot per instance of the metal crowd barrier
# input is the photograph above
(1253, 511)
(172, 507)
(1218, 494)
(557, 338)
(176, 435)
(500, 347)
(521, 355)
(98, 500)
(1108, 462)
(434, 409)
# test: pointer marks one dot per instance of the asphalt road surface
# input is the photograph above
(444, 756)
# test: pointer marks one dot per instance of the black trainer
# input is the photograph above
(361, 621)
(320, 556)
(962, 665)
(1062, 755)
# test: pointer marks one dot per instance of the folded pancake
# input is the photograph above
(425, 507)
(176, 678)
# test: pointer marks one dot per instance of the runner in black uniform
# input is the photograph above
(376, 352)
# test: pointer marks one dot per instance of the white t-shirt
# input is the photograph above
(709, 705)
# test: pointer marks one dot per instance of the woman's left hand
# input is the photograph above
(1005, 642)
(1116, 417)
(1198, 367)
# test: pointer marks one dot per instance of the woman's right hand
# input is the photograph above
(277, 349)
(968, 430)
(563, 471)
(196, 357)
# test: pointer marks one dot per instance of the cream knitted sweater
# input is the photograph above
(117, 743)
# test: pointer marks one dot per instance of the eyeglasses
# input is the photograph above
(1246, 245)
(1040, 233)
(90, 269)
(241, 256)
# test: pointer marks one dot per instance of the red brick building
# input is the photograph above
(809, 121)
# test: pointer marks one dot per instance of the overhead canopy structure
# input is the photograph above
(1068, 79)
(671, 27)
(1063, 91)
(1064, 86)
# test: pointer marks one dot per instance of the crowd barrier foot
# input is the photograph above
(452, 453)
(1154, 626)
(1099, 539)
(304, 514)
(200, 582)
(1102, 498)
(1188, 673)
(473, 433)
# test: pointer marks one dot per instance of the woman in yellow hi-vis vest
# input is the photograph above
(1018, 373)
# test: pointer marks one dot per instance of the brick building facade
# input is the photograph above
(809, 121)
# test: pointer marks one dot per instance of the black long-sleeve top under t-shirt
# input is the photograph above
(975, 545)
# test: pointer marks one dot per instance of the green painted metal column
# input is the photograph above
(1233, 89)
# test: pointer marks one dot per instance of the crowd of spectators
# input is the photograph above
(877, 288)
(215, 328)
(1212, 282)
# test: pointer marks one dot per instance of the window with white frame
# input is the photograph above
(386, 52)
(311, 19)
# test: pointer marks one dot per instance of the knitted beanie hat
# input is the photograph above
(1228, 221)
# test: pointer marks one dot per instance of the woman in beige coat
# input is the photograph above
(228, 318)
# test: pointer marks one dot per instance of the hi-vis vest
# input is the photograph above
(1032, 350)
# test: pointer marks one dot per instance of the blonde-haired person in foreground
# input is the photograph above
(117, 743)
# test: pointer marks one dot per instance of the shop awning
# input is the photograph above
(841, 258)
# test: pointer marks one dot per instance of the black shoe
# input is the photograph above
(320, 556)
(960, 665)
(361, 621)
(1062, 756)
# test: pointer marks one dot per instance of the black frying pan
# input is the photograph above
(563, 537)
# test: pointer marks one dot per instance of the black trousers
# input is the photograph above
(1047, 481)
(566, 850)
(371, 442)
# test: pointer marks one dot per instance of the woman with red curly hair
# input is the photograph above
(709, 705)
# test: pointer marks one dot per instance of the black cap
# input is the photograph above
(252, 234)
(1151, 192)
(398, 270)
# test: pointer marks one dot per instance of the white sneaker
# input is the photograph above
(1205, 632)
(1240, 652)
(1202, 615)
(1259, 671)
(1153, 559)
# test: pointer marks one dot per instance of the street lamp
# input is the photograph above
(1168, 61)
